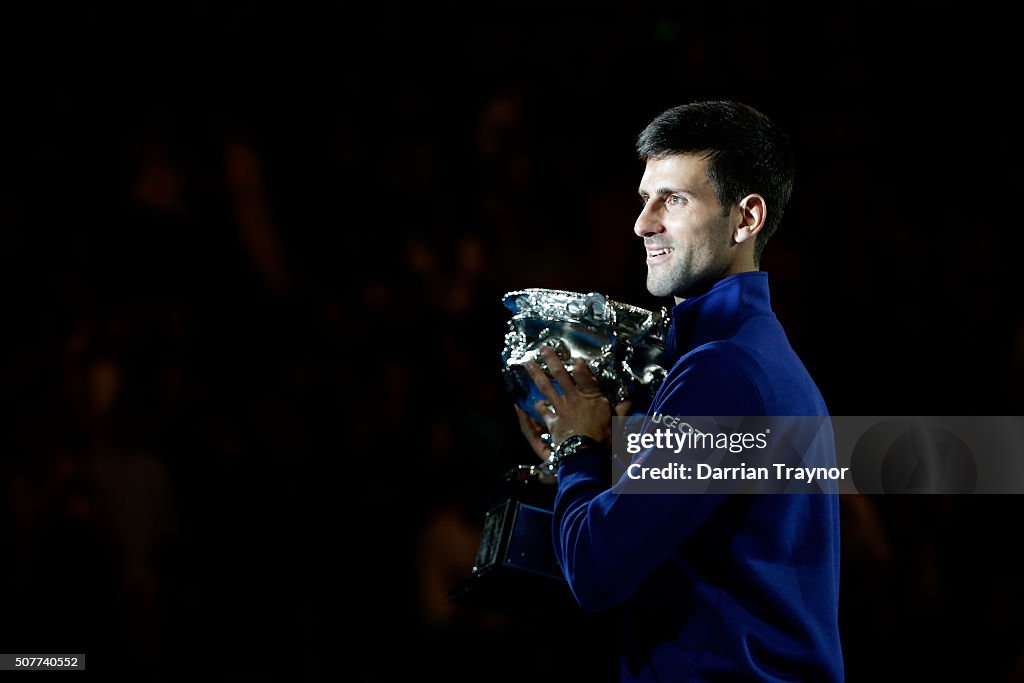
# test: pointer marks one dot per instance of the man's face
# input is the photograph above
(687, 233)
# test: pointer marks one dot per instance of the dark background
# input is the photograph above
(252, 262)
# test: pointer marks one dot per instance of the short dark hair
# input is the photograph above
(747, 153)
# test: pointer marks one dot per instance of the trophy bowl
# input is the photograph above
(623, 345)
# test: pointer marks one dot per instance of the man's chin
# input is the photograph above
(685, 290)
(662, 287)
(658, 289)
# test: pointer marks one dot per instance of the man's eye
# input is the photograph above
(643, 200)
(675, 200)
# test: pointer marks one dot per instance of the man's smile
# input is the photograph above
(658, 254)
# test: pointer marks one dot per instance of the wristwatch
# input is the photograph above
(569, 448)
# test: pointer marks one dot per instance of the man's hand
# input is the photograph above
(532, 430)
(580, 409)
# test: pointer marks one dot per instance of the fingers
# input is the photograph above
(584, 378)
(533, 432)
(623, 409)
(556, 368)
(527, 424)
(581, 378)
(542, 382)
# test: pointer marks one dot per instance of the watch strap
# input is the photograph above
(571, 447)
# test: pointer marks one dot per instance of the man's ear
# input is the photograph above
(753, 212)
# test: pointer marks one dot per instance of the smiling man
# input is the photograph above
(709, 587)
(688, 234)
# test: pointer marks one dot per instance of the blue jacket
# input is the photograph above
(712, 587)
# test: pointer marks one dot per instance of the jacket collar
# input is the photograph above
(718, 312)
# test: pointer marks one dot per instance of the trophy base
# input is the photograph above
(515, 571)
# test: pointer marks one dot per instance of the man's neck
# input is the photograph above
(731, 270)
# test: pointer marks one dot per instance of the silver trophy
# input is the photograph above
(515, 570)
(623, 345)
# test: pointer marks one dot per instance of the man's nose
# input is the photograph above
(648, 223)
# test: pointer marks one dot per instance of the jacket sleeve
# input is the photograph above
(607, 543)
